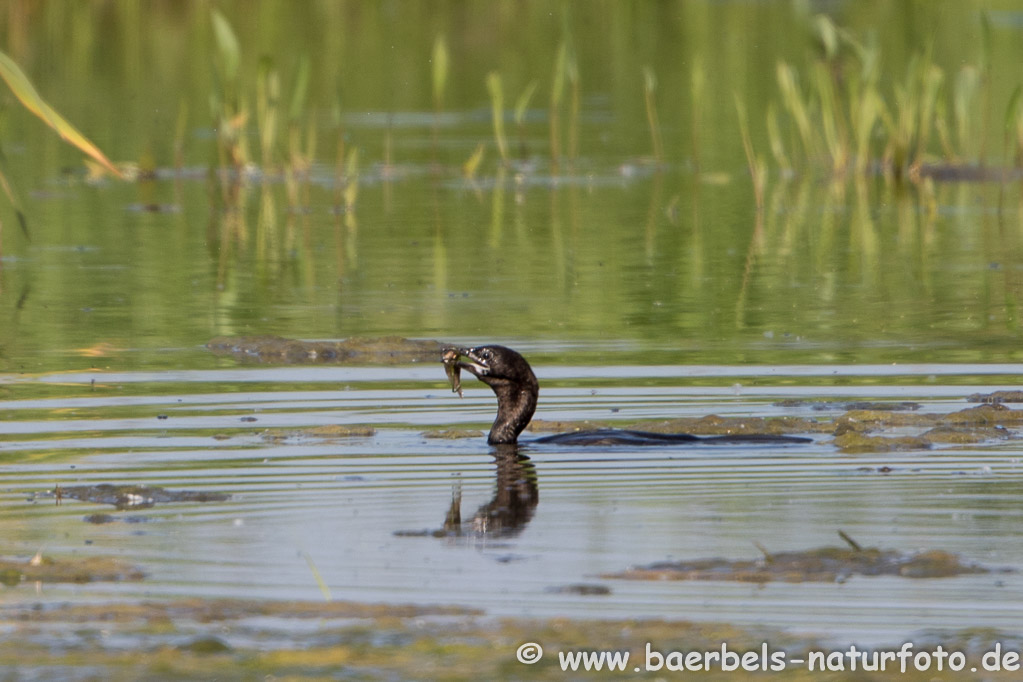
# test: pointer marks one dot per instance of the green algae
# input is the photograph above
(133, 496)
(230, 640)
(324, 432)
(856, 442)
(67, 570)
(453, 434)
(825, 564)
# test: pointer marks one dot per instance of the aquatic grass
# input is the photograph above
(301, 152)
(180, 130)
(521, 105)
(320, 582)
(339, 152)
(649, 92)
(299, 92)
(834, 131)
(1013, 128)
(775, 141)
(12, 198)
(351, 192)
(557, 94)
(757, 166)
(21, 87)
(225, 101)
(984, 68)
(440, 62)
(796, 105)
(575, 103)
(965, 94)
(565, 75)
(495, 88)
(697, 95)
(909, 125)
(268, 94)
(472, 164)
(835, 113)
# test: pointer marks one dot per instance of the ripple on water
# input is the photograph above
(373, 514)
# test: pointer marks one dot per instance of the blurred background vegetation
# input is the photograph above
(340, 180)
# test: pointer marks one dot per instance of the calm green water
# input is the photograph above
(601, 248)
(613, 274)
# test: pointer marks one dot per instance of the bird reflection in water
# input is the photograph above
(515, 498)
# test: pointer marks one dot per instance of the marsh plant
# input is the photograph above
(231, 112)
(566, 75)
(25, 92)
(835, 113)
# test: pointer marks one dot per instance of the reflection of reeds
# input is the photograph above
(351, 193)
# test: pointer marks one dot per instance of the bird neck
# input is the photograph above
(515, 406)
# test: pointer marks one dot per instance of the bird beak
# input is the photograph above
(453, 356)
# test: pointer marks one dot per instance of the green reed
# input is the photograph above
(496, 90)
(21, 87)
(756, 164)
(521, 106)
(440, 62)
(1013, 128)
(226, 100)
(649, 97)
(268, 95)
(836, 114)
(351, 180)
(302, 136)
(565, 74)
(697, 95)
(557, 94)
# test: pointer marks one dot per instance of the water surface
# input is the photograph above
(365, 511)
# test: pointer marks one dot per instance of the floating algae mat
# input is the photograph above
(71, 570)
(825, 564)
(133, 496)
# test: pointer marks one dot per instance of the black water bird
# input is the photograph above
(512, 380)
